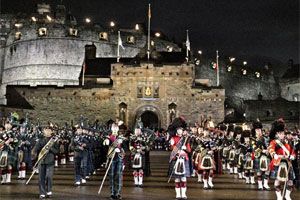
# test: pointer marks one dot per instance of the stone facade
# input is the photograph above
(165, 91)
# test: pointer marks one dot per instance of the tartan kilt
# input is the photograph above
(273, 174)
(213, 164)
(171, 169)
(12, 158)
(256, 164)
(143, 167)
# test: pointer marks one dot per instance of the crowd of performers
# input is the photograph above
(251, 153)
(204, 151)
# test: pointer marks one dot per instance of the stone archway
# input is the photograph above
(149, 119)
(150, 116)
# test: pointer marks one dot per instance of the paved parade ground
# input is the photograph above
(155, 187)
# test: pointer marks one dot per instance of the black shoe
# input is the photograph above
(140, 186)
(118, 197)
(135, 185)
(112, 197)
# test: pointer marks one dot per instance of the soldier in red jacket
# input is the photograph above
(282, 155)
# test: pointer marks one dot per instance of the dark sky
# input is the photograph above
(268, 28)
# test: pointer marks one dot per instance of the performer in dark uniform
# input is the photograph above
(137, 148)
(296, 162)
(47, 166)
(116, 154)
(261, 156)
(79, 146)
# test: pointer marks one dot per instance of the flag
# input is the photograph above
(149, 12)
(120, 42)
(217, 66)
(187, 43)
(84, 66)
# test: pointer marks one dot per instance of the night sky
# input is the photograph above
(240, 28)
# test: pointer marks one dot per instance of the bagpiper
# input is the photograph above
(179, 161)
(282, 154)
(137, 148)
(261, 156)
(9, 155)
(247, 151)
(205, 159)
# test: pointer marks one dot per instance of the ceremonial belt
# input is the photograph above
(283, 147)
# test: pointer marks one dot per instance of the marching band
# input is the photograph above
(204, 151)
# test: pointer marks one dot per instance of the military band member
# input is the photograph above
(296, 162)
(27, 142)
(282, 154)
(247, 151)
(9, 155)
(137, 148)
(47, 166)
(261, 156)
(79, 146)
(116, 154)
(179, 165)
(206, 162)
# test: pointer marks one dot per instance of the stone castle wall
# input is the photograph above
(174, 84)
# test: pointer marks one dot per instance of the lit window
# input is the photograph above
(257, 74)
(103, 36)
(229, 68)
(152, 43)
(157, 34)
(18, 25)
(73, 32)
(244, 72)
(197, 62)
(18, 36)
(169, 48)
(137, 27)
(42, 31)
(130, 40)
(295, 97)
(213, 65)
(34, 19)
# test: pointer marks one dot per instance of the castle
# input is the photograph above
(42, 55)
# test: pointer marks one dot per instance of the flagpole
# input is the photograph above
(83, 70)
(218, 81)
(187, 49)
(118, 56)
(149, 17)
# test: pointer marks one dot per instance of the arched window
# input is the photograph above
(123, 112)
(103, 36)
(172, 111)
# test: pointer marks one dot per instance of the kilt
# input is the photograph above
(143, 166)
(256, 164)
(12, 158)
(291, 174)
(171, 169)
